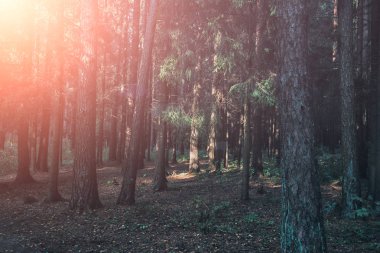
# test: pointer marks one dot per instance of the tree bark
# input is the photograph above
(85, 187)
(127, 193)
(2, 139)
(244, 195)
(262, 10)
(58, 105)
(374, 107)
(351, 187)
(160, 182)
(302, 228)
(23, 173)
(43, 149)
(100, 138)
(194, 135)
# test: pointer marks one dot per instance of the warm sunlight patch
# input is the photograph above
(181, 176)
(14, 12)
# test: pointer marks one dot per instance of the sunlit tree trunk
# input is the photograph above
(302, 228)
(194, 135)
(2, 139)
(351, 187)
(23, 174)
(112, 155)
(100, 137)
(127, 193)
(58, 105)
(43, 149)
(85, 187)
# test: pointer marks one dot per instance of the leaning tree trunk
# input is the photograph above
(85, 187)
(302, 228)
(127, 193)
(351, 187)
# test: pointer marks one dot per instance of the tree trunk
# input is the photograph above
(160, 182)
(127, 193)
(112, 155)
(244, 195)
(374, 107)
(85, 187)
(257, 162)
(262, 10)
(23, 173)
(302, 228)
(43, 149)
(194, 135)
(58, 106)
(211, 134)
(100, 138)
(2, 139)
(351, 187)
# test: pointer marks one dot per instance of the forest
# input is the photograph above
(190, 126)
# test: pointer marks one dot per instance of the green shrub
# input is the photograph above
(329, 165)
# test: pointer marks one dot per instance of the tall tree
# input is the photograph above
(160, 182)
(244, 194)
(374, 106)
(194, 135)
(58, 90)
(127, 193)
(85, 187)
(351, 187)
(262, 10)
(23, 172)
(302, 228)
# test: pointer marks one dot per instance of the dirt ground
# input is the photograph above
(199, 213)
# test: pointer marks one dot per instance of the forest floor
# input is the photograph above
(199, 213)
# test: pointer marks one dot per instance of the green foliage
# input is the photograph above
(330, 207)
(362, 213)
(208, 217)
(168, 70)
(177, 117)
(271, 170)
(251, 218)
(264, 92)
(329, 165)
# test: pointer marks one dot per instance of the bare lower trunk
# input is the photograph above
(351, 187)
(160, 182)
(53, 194)
(23, 174)
(194, 135)
(42, 160)
(85, 186)
(2, 140)
(244, 195)
(302, 228)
